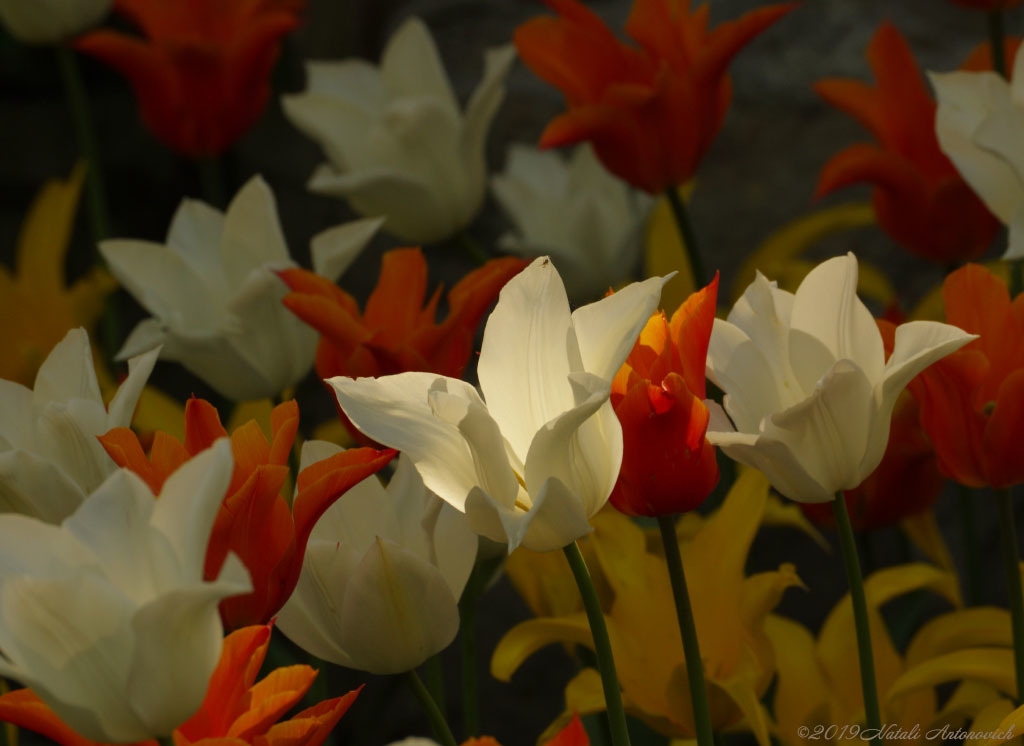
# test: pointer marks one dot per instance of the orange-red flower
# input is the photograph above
(652, 111)
(668, 466)
(254, 520)
(396, 332)
(202, 72)
(906, 482)
(972, 402)
(919, 197)
(236, 710)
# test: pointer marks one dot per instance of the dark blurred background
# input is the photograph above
(759, 174)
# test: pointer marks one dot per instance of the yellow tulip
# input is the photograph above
(729, 610)
(37, 307)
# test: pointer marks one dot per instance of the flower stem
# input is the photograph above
(482, 572)
(872, 713)
(972, 552)
(85, 135)
(442, 732)
(996, 39)
(602, 646)
(1011, 567)
(433, 672)
(688, 236)
(691, 648)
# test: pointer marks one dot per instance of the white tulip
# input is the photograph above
(806, 382)
(107, 617)
(588, 221)
(50, 21)
(50, 458)
(382, 575)
(396, 143)
(980, 126)
(214, 297)
(540, 457)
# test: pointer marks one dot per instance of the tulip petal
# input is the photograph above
(526, 638)
(67, 372)
(484, 103)
(24, 709)
(526, 355)
(195, 227)
(332, 251)
(411, 65)
(981, 626)
(252, 234)
(122, 406)
(397, 612)
(989, 665)
(776, 460)
(33, 486)
(395, 410)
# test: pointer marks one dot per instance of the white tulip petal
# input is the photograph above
(33, 486)
(362, 513)
(586, 462)
(178, 639)
(67, 372)
(28, 546)
(122, 406)
(486, 517)
(999, 134)
(1015, 240)
(964, 100)
(69, 432)
(397, 612)
(252, 232)
(17, 424)
(484, 103)
(316, 450)
(69, 634)
(456, 547)
(830, 426)
(778, 462)
(762, 313)
(194, 229)
(411, 65)
(341, 126)
(148, 334)
(737, 366)
(826, 306)
(394, 410)
(355, 80)
(918, 344)
(607, 330)
(189, 502)
(526, 354)
(557, 518)
(333, 250)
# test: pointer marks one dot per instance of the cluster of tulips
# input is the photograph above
(151, 556)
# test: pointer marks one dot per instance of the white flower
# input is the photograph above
(107, 617)
(587, 220)
(980, 126)
(396, 143)
(533, 464)
(382, 575)
(215, 299)
(50, 458)
(806, 381)
(50, 21)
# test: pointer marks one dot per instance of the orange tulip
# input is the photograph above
(202, 74)
(972, 402)
(652, 111)
(235, 707)
(920, 200)
(668, 466)
(906, 482)
(254, 520)
(396, 332)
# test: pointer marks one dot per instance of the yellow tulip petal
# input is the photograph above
(990, 720)
(788, 243)
(584, 695)
(664, 253)
(786, 513)
(924, 533)
(968, 699)
(1011, 726)
(46, 232)
(158, 411)
(992, 666)
(258, 410)
(523, 640)
(979, 626)
(743, 690)
(334, 432)
(801, 689)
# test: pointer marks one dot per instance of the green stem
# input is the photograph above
(602, 645)
(1011, 567)
(972, 552)
(472, 248)
(433, 673)
(872, 714)
(468, 604)
(85, 135)
(700, 277)
(996, 39)
(691, 648)
(442, 733)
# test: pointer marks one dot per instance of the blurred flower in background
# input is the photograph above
(201, 71)
(585, 219)
(50, 21)
(396, 142)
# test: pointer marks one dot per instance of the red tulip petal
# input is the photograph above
(202, 425)
(690, 328)
(122, 445)
(1002, 440)
(574, 734)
